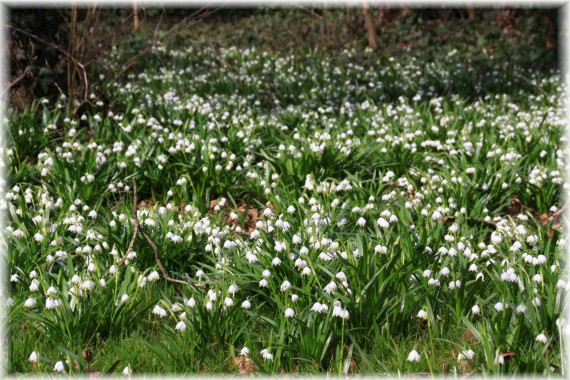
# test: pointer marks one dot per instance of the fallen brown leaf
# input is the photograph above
(244, 365)
(468, 336)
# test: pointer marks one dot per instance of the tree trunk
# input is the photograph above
(370, 29)
(472, 13)
(135, 16)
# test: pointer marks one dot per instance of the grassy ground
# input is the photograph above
(323, 211)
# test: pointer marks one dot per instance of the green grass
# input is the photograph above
(403, 192)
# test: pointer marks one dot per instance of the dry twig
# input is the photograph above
(151, 243)
(136, 225)
(26, 72)
(471, 219)
(558, 212)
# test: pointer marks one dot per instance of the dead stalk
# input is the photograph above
(136, 225)
(151, 243)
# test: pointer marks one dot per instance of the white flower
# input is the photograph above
(246, 304)
(276, 261)
(212, 295)
(33, 357)
(330, 287)
(383, 223)
(499, 306)
(153, 276)
(14, 278)
(39, 237)
(361, 222)
(34, 285)
(469, 354)
(127, 371)
(51, 303)
(180, 326)
(233, 289)
(51, 291)
(338, 311)
(413, 356)
(341, 276)
(266, 273)
(124, 298)
(244, 351)
(30, 302)
(475, 309)
(176, 308)
(266, 355)
(380, 249)
(541, 338)
(294, 297)
(263, 283)
(58, 367)
(289, 313)
(279, 247)
(191, 302)
(496, 238)
(228, 302)
(422, 314)
(521, 308)
(159, 311)
(88, 285)
(286, 285)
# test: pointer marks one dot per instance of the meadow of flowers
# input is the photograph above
(346, 214)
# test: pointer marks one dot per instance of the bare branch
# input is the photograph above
(136, 225)
(151, 243)
(26, 72)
